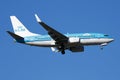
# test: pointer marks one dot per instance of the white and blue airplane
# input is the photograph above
(57, 41)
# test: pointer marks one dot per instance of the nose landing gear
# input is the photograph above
(101, 47)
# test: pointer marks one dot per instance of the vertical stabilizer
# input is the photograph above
(19, 28)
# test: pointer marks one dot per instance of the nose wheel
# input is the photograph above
(101, 47)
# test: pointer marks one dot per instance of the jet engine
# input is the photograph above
(77, 49)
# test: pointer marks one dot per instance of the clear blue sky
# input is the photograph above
(23, 62)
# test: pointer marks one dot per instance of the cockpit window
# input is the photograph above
(106, 35)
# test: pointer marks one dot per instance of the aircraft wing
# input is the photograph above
(57, 36)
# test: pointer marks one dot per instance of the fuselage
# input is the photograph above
(85, 39)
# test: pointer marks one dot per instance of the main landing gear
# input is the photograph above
(63, 52)
(62, 49)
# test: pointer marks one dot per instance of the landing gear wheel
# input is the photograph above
(63, 52)
(101, 47)
(62, 49)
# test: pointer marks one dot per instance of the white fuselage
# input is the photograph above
(84, 42)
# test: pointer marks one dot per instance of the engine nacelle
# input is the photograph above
(74, 40)
(77, 49)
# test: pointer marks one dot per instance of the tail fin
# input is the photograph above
(19, 28)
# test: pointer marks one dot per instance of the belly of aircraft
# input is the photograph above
(82, 42)
(42, 43)
(93, 41)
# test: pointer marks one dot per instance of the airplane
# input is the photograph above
(57, 41)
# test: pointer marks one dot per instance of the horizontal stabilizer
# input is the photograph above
(16, 37)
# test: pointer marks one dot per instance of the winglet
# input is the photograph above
(37, 18)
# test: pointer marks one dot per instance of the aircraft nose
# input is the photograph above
(111, 40)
